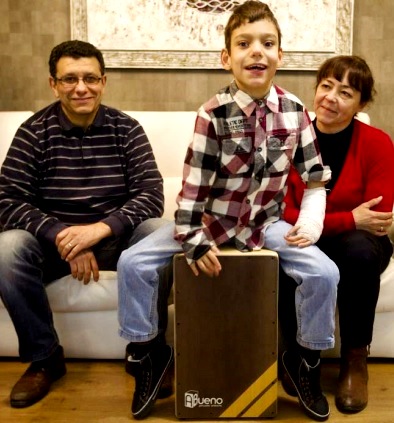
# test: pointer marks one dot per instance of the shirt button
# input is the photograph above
(248, 201)
(259, 149)
(260, 120)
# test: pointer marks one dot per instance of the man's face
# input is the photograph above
(81, 101)
(254, 58)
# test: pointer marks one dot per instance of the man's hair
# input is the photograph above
(358, 73)
(75, 49)
(249, 12)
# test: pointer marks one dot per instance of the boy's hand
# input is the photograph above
(208, 263)
(297, 240)
(309, 225)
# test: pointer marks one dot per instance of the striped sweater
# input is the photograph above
(56, 175)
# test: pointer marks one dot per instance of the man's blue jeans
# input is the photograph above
(27, 266)
(316, 275)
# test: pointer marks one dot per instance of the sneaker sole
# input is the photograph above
(310, 413)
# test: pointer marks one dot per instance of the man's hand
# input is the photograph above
(83, 266)
(208, 263)
(377, 223)
(74, 239)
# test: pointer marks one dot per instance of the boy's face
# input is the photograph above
(255, 57)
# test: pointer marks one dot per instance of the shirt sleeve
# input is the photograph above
(367, 174)
(334, 222)
(307, 159)
(198, 175)
(143, 182)
(19, 182)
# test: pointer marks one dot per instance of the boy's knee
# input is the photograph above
(330, 273)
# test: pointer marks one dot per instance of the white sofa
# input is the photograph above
(86, 315)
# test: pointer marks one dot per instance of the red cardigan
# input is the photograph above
(367, 173)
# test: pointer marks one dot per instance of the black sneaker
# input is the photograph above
(149, 374)
(288, 385)
(306, 381)
(166, 388)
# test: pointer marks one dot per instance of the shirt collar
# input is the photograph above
(247, 104)
(67, 125)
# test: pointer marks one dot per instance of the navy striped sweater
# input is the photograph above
(56, 175)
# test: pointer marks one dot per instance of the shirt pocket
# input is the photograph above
(280, 149)
(236, 155)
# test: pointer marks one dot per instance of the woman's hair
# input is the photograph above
(75, 49)
(249, 12)
(358, 73)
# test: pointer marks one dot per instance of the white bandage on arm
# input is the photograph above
(312, 212)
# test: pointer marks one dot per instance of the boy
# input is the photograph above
(234, 181)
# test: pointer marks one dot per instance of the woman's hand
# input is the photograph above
(377, 223)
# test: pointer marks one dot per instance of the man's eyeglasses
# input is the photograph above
(72, 81)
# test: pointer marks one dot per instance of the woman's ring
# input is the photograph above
(70, 245)
(381, 229)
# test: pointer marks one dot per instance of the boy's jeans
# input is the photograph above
(316, 275)
(26, 267)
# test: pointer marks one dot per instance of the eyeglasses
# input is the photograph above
(72, 81)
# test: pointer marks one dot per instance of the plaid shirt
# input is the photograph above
(237, 165)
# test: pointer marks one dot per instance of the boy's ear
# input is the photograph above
(280, 56)
(226, 60)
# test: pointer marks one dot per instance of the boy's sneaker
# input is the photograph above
(149, 373)
(306, 381)
(166, 388)
(288, 385)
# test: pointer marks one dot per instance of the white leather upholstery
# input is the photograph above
(86, 315)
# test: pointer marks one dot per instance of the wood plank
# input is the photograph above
(101, 392)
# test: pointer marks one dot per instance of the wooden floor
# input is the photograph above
(100, 392)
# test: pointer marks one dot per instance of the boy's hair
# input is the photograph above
(75, 49)
(358, 73)
(249, 12)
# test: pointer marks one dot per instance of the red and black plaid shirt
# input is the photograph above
(237, 165)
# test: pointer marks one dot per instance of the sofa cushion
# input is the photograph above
(71, 295)
(386, 295)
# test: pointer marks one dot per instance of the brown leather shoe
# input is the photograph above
(352, 390)
(37, 380)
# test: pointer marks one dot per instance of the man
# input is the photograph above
(79, 185)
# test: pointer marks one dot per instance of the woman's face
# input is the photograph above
(335, 104)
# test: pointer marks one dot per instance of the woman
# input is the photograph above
(358, 216)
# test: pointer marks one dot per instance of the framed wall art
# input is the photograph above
(189, 34)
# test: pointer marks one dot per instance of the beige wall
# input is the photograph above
(30, 28)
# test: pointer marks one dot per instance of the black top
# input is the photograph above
(333, 149)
